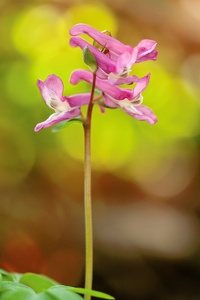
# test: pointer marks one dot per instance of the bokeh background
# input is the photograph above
(146, 194)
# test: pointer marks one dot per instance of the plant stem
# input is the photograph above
(87, 196)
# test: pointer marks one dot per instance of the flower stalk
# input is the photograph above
(87, 195)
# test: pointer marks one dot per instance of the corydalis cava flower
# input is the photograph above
(110, 65)
(114, 61)
(119, 58)
(65, 108)
(113, 96)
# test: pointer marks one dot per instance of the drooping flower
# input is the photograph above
(65, 108)
(119, 58)
(113, 96)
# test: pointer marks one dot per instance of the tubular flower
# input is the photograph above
(119, 59)
(110, 63)
(113, 96)
(65, 107)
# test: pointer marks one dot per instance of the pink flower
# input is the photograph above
(120, 57)
(111, 61)
(65, 107)
(128, 99)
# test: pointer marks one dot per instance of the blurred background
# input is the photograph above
(146, 193)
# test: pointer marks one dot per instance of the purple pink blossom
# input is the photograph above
(114, 64)
(65, 108)
(113, 96)
(120, 58)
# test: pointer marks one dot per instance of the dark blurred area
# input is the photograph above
(146, 193)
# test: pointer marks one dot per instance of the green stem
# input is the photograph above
(87, 196)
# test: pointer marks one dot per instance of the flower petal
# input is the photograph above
(126, 60)
(101, 38)
(58, 117)
(51, 88)
(109, 102)
(79, 99)
(141, 84)
(149, 56)
(125, 80)
(141, 113)
(103, 61)
(146, 50)
(122, 61)
(103, 85)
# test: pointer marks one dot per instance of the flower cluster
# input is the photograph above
(112, 66)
